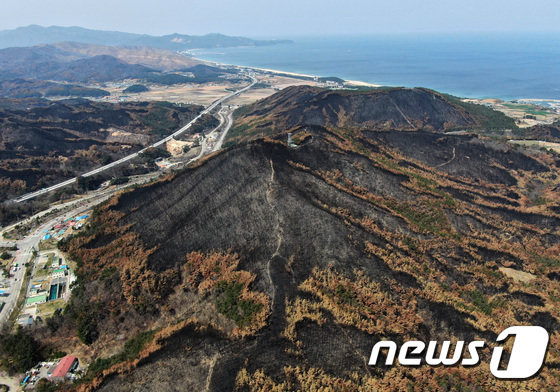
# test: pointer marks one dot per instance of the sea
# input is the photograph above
(508, 66)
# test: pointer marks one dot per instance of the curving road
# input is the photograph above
(136, 154)
(226, 120)
(228, 123)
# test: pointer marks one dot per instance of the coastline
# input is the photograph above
(356, 83)
(359, 83)
(513, 108)
(276, 71)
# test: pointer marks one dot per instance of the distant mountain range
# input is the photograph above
(33, 57)
(46, 70)
(34, 35)
(49, 63)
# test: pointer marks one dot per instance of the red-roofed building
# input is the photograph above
(64, 366)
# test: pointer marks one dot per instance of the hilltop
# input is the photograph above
(384, 108)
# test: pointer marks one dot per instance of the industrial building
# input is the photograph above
(66, 365)
(37, 299)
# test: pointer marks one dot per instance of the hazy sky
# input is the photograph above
(261, 18)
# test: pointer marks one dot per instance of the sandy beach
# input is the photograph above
(294, 74)
(356, 83)
(276, 71)
(361, 84)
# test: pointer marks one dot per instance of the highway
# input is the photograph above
(71, 181)
(228, 124)
(226, 121)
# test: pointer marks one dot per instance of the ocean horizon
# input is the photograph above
(507, 66)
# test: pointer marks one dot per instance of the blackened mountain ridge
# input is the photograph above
(44, 142)
(384, 108)
(29, 88)
(268, 266)
(542, 132)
